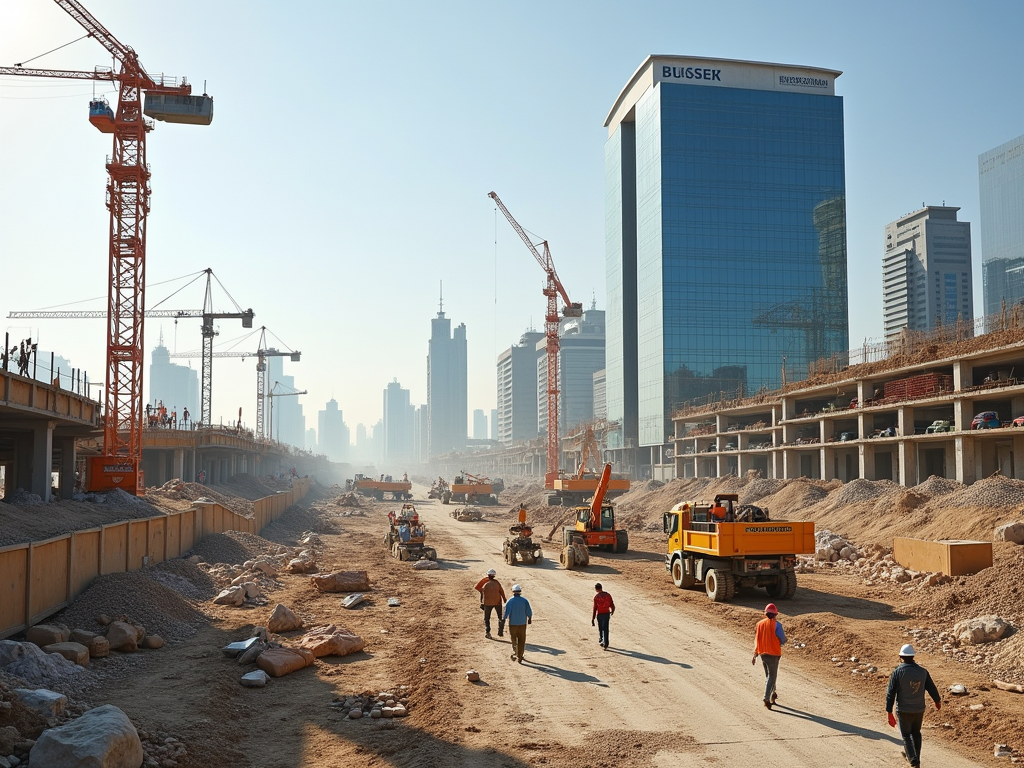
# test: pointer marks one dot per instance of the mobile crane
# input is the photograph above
(128, 192)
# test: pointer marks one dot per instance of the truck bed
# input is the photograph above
(743, 539)
(377, 485)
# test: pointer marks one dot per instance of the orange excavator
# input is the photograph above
(577, 488)
(594, 528)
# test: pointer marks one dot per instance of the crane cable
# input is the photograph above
(26, 61)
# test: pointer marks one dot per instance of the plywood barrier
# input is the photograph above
(951, 557)
(39, 578)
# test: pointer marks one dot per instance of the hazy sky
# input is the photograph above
(346, 171)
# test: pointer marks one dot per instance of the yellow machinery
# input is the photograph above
(726, 546)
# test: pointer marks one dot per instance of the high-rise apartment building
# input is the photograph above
(600, 395)
(725, 227)
(334, 434)
(398, 424)
(926, 271)
(581, 352)
(1001, 184)
(494, 424)
(516, 415)
(176, 385)
(447, 381)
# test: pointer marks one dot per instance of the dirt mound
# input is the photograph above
(178, 496)
(232, 547)
(246, 486)
(938, 486)
(760, 488)
(995, 491)
(899, 501)
(160, 609)
(794, 496)
(36, 522)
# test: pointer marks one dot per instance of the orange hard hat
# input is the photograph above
(770, 608)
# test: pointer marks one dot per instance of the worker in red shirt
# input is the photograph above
(492, 599)
(604, 607)
(768, 641)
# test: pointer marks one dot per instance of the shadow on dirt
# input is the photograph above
(564, 674)
(836, 725)
(807, 601)
(649, 657)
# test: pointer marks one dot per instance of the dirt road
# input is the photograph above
(669, 686)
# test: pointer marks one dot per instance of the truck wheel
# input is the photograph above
(621, 542)
(790, 585)
(431, 553)
(582, 555)
(679, 576)
(567, 557)
(719, 585)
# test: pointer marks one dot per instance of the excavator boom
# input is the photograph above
(598, 500)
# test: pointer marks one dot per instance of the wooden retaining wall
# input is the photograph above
(39, 578)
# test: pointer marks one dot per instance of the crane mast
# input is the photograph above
(552, 290)
(128, 202)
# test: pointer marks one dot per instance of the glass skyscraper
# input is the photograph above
(1001, 184)
(725, 235)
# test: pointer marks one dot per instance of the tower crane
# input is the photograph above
(552, 290)
(262, 372)
(128, 202)
(207, 314)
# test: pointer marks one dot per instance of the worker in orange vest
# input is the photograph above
(768, 641)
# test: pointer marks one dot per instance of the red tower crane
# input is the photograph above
(128, 202)
(552, 290)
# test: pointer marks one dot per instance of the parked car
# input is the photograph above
(729, 447)
(846, 436)
(939, 426)
(986, 420)
(1019, 421)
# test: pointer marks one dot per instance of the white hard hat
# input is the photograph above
(907, 650)
(492, 572)
(516, 588)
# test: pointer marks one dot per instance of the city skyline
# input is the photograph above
(387, 212)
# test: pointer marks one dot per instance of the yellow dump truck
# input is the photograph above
(725, 546)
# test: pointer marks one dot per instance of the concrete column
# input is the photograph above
(907, 460)
(1018, 456)
(963, 375)
(826, 430)
(866, 456)
(742, 464)
(67, 466)
(905, 421)
(963, 414)
(966, 471)
(828, 463)
(179, 464)
(42, 459)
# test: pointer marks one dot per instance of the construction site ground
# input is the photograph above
(675, 688)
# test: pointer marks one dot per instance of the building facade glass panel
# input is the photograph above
(1001, 187)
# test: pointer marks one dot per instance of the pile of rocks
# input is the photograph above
(965, 641)
(162, 750)
(80, 645)
(383, 704)
(831, 548)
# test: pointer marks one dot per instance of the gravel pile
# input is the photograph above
(858, 491)
(22, 498)
(938, 486)
(759, 488)
(249, 487)
(143, 599)
(232, 547)
(36, 522)
(995, 491)
(186, 578)
(185, 493)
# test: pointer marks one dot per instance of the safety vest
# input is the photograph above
(767, 641)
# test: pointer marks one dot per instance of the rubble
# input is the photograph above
(982, 629)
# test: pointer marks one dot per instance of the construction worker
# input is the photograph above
(518, 614)
(768, 641)
(492, 598)
(604, 607)
(907, 686)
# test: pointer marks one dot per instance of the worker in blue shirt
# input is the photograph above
(518, 614)
(907, 686)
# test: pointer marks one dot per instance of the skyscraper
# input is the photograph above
(398, 424)
(289, 422)
(726, 235)
(447, 380)
(176, 385)
(1001, 184)
(479, 424)
(517, 390)
(581, 352)
(926, 271)
(334, 434)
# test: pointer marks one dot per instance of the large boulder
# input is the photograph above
(49, 703)
(231, 596)
(32, 664)
(1013, 532)
(122, 636)
(278, 662)
(103, 737)
(983, 629)
(256, 679)
(47, 634)
(283, 620)
(75, 652)
(342, 581)
(331, 641)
